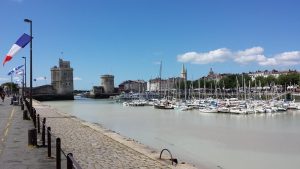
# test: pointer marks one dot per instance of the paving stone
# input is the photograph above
(15, 152)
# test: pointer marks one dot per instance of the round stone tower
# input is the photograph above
(107, 81)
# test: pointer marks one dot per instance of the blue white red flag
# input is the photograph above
(17, 68)
(10, 73)
(14, 70)
(21, 43)
(20, 72)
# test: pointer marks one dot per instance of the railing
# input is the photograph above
(32, 138)
(173, 160)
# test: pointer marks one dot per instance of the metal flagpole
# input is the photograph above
(23, 84)
(11, 83)
(30, 94)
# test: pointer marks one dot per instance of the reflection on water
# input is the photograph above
(231, 141)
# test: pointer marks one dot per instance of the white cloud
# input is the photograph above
(288, 58)
(218, 55)
(294, 55)
(254, 54)
(16, 78)
(249, 55)
(77, 78)
(40, 78)
(268, 62)
(282, 59)
(157, 62)
(3, 79)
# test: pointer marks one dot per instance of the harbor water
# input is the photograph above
(207, 140)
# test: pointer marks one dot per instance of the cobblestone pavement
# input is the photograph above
(90, 147)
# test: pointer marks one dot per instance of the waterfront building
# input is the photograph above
(267, 73)
(171, 83)
(213, 76)
(62, 78)
(156, 84)
(166, 84)
(133, 86)
(97, 89)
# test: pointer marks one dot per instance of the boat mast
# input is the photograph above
(237, 87)
(185, 91)
(199, 85)
(249, 90)
(255, 96)
(204, 96)
(160, 69)
(245, 89)
(224, 90)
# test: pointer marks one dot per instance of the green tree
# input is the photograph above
(10, 86)
(262, 80)
(271, 80)
(231, 81)
(291, 78)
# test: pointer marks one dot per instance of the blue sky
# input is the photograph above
(127, 38)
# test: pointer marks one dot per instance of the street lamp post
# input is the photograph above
(24, 77)
(30, 93)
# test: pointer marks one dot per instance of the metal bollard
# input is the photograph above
(38, 123)
(44, 132)
(69, 161)
(49, 141)
(30, 111)
(35, 137)
(25, 115)
(58, 156)
(34, 118)
(32, 137)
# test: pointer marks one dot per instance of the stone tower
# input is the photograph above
(183, 73)
(62, 78)
(107, 81)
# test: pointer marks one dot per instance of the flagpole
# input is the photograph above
(11, 83)
(25, 86)
(30, 94)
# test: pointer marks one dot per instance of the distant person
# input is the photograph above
(2, 94)
(6, 90)
(13, 99)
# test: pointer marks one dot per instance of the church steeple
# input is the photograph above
(183, 72)
(211, 72)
